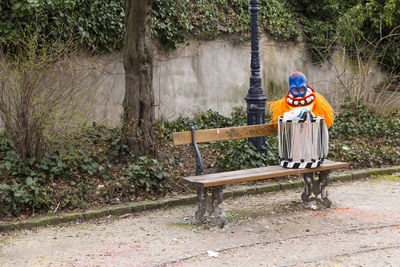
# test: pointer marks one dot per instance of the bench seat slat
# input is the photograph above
(221, 134)
(231, 177)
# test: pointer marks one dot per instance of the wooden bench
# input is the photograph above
(210, 186)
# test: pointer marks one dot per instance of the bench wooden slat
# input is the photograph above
(232, 177)
(211, 135)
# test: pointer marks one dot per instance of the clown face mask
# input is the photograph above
(300, 95)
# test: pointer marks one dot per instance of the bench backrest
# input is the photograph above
(222, 134)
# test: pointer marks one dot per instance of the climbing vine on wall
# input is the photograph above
(99, 24)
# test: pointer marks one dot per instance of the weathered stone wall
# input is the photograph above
(215, 75)
(208, 75)
(212, 75)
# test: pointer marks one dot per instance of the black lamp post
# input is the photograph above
(255, 98)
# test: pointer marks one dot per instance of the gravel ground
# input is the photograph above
(272, 229)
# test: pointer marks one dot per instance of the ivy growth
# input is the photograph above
(240, 154)
(319, 20)
(358, 119)
(99, 24)
(175, 21)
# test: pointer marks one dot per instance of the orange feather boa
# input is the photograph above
(321, 108)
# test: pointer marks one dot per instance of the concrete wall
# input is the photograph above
(207, 75)
(213, 75)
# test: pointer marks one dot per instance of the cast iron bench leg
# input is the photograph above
(324, 179)
(309, 180)
(208, 206)
(201, 208)
(316, 187)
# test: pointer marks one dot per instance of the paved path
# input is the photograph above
(272, 229)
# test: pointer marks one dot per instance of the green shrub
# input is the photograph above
(15, 15)
(240, 154)
(24, 186)
(364, 137)
(319, 20)
(44, 97)
(278, 20)
(74, 196)
(99, 24)
(148, 174)
(106, 140)
(239, 116)
(28, 195)
(212, 119)
(21, 187)
(95, 23)
(204, 120)
(373, 26)
(357, 119)
(175, 21)
(50, 167)
(366, 153)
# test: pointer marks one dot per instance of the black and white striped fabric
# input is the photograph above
(300, 165)
(303, 142)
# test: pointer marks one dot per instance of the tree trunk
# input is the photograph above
(138, 130)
